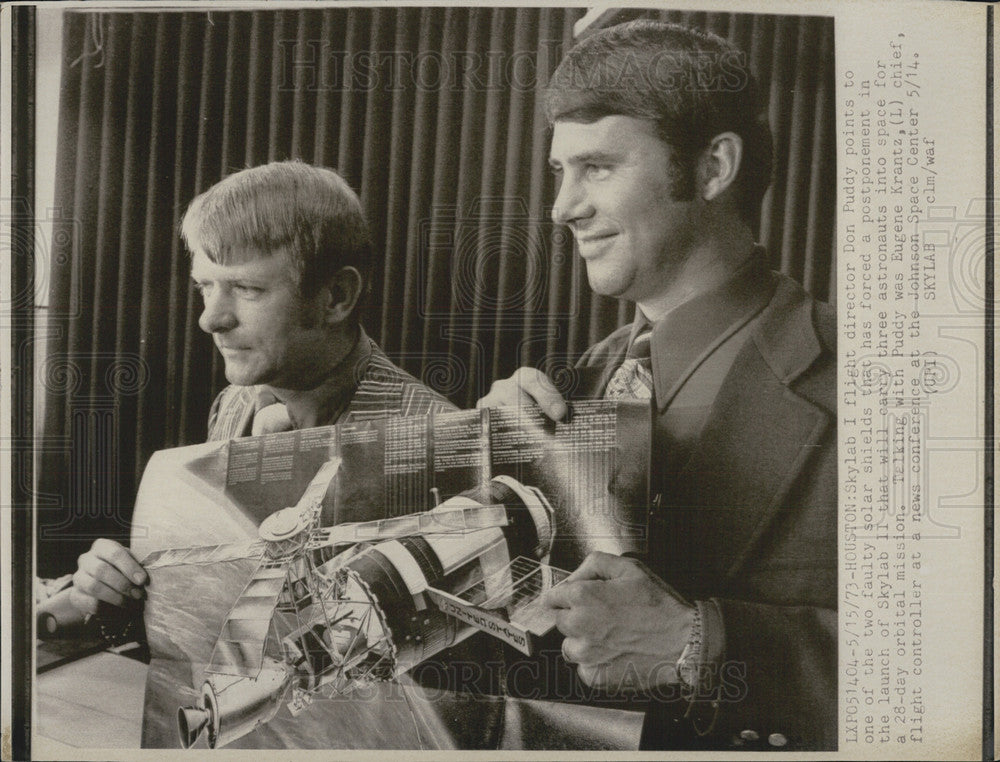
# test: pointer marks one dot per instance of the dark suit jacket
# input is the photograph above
(751, 524)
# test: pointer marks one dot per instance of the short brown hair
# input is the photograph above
(693, 85)
(309, 212)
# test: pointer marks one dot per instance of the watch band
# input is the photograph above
(688, 665)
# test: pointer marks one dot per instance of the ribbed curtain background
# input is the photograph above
(793, 60)
(433, 116)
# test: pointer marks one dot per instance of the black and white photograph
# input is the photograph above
(500, 379)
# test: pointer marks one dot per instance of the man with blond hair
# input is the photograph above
(280, 255)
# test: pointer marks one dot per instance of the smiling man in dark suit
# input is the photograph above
(729, 628)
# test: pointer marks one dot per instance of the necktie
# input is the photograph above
(634, 377)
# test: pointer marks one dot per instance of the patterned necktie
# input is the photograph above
(634, 377)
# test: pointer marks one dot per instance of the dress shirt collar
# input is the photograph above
(689, 333)
(324, 404)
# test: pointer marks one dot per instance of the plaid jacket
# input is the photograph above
(383, 390)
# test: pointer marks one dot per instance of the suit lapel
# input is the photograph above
(589, 381)
(237, 407)
(758, 437)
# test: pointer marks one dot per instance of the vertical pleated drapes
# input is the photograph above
(433, 115)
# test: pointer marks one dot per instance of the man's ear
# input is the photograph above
(345, 289)
(720, 164)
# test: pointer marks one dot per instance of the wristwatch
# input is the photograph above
(688, 665)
